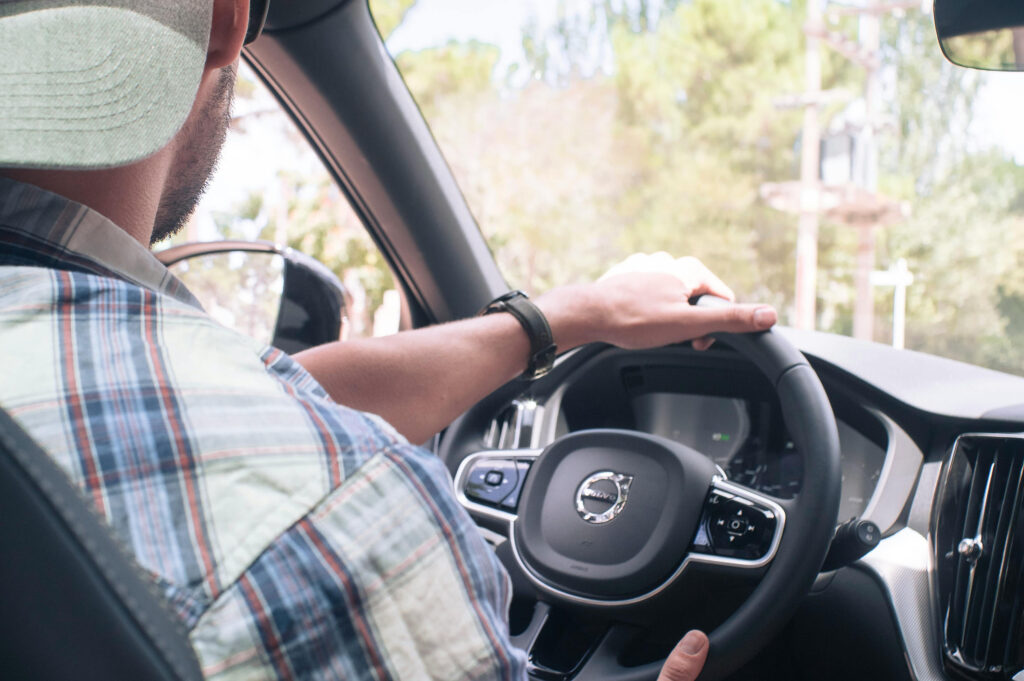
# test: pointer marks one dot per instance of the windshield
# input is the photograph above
(823, 159)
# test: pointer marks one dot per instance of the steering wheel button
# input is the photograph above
(490, 481)
(738, 526)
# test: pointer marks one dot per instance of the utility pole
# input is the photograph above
(856, 202)
(864, 301)
(810, 160)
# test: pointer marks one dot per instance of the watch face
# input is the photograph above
(543, 361)
(500, 304)
(505, 297)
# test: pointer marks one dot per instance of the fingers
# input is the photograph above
(644, 302)
(696, 278)
(702, 321)
(686, 660)
(700, 280)
(703, 343)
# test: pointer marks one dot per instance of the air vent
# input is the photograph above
(979, 544)
(515, 426)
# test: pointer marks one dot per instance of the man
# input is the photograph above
(296, 538)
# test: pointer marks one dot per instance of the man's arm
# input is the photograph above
(420, 380)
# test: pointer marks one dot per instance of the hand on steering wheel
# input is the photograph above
(644, 302)
(687, 659)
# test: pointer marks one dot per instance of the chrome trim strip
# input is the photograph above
(174, 254)
(506, 430)
(462, 474)
(718, 484)
(539, 411)
(897, 478)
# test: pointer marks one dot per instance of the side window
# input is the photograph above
(271, 186)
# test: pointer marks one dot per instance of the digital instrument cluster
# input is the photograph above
(747, 438)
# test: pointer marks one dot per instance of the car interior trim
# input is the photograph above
(920, 516)
(507, 428)
(914, 378)
(902, 564)
(896, 480)
(462, 476)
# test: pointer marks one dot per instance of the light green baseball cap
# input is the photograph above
(96, 83)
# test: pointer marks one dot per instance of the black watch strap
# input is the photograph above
(542, 342)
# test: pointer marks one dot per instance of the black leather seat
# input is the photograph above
(73, 605)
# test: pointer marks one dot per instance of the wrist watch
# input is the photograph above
(542, 342)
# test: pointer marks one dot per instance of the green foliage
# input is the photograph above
(454, 72)
(319, 222)
(931, 111)
(699, 93)
(966, 246)
(388, 14)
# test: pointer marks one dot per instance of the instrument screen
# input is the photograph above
(748, 440)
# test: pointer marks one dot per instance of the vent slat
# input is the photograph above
(982, 588)
(1008, 595)
(996, 530)
(972, 598)
(956, 615)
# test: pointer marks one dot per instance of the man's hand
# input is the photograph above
(644, 302)
(686, 659)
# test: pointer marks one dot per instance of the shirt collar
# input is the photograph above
(44, 229)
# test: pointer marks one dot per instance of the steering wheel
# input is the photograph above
(614, 523)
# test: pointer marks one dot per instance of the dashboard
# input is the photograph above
(727, 412)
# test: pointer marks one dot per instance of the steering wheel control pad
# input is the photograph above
(496, 482)
(735, 527)
(610, 514)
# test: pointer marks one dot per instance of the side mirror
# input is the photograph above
(268, 292)
(982, 34)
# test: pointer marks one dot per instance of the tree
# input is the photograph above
(388, 14)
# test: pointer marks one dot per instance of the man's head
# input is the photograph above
(95, 93)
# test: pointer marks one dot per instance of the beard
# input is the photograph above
(202, 140)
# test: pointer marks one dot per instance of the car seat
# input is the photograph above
(73, 604)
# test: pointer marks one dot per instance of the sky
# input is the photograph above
(999, 118)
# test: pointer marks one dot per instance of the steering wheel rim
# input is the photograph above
(809, 517)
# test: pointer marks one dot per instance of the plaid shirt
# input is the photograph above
(296, 538)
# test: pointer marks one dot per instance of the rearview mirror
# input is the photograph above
(982, 34)
(268, 292)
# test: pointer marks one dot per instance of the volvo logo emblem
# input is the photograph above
(602, 496)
